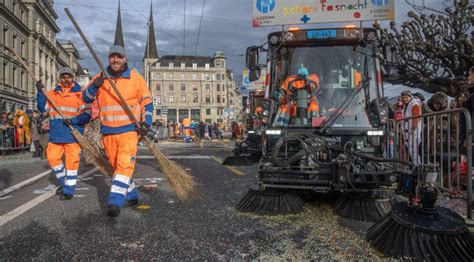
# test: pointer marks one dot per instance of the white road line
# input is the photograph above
(177, 157)
(29, 205)
(8, 190)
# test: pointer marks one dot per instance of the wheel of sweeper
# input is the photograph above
(368, 205)
(270, 202)
(408, 232)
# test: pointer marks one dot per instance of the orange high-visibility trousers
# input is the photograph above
(67, 175)
(122, 150)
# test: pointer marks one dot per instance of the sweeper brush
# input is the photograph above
(270, 202)
(365, 206)
(410, 233)
(419, 229)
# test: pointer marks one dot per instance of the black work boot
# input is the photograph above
(113, 211)
(59, 191)
(65, 197)
(132, 202)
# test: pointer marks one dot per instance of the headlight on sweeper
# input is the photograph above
(273, 132)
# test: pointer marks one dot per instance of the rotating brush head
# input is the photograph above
(370, 206)
(270, 202)
(409, 232)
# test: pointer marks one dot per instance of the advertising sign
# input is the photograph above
(258, 84)
(291, 12)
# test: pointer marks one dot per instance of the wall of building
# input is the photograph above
(202, 93)
(29, 26)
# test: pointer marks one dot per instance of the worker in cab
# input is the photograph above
(120, 132)
(67, 96)
(298, 98)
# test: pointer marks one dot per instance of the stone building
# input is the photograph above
(29, 26)
(199, 87)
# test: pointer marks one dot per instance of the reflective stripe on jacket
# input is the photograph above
(133, 88)
(69, 102)
(313, 103)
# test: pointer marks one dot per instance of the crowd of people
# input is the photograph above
(439, 131)
(23, 130)
(205, 131)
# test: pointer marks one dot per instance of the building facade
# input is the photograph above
(196, 87)
(29, 27)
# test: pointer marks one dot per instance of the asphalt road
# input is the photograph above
(205, 228)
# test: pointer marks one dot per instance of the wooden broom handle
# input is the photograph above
(55, 107)
(102, 68)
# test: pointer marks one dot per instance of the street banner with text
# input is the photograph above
(292, 12)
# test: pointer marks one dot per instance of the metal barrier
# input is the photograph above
(436, 138)
(8, 140)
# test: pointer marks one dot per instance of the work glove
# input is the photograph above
(39, 86)
(99, 81)
(143, 130)
(67, 122)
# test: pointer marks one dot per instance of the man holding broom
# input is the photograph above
(120, 134)
(68, 98)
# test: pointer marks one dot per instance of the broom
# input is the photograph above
(182, 183)
(91, 148)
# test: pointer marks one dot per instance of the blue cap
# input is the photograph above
(303, 71)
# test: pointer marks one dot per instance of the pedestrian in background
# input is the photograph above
(36, 133)
(412, 128)
(22, 129)
(4, 125)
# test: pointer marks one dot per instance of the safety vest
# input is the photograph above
(313, 103)
(135, 93)
(69, 102)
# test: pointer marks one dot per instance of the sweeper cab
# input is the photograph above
(249, 151)
(326, 128)
(350, 119)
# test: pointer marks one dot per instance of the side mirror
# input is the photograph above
(251, 57)
(254, 74)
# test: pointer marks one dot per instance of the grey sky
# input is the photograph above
(226, 25)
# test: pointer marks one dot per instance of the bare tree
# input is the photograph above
(435, 47)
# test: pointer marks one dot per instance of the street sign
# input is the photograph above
(292, 12)
(164, 110)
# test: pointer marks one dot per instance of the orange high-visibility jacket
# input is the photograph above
(133, 88)
(69, 102)
(313, 106)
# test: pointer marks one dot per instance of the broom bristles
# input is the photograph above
(181, 182)
(92, 149)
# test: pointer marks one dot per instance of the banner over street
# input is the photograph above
(291, 12)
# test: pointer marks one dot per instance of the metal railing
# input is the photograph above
(437, 139)
(9, 140)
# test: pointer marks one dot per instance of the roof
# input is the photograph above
(219, 54)
(188, 60)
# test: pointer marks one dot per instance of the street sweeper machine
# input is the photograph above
(328, 132)
(326, 119)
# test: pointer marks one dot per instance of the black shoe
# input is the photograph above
(132, 202)
(59, 191)
(113, 211)
(65, 197)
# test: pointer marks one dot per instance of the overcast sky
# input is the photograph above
(226, 25)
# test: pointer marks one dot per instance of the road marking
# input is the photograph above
(29, 205)
(8, 190)
(232, 169)
(177, 157)
(5, 197)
